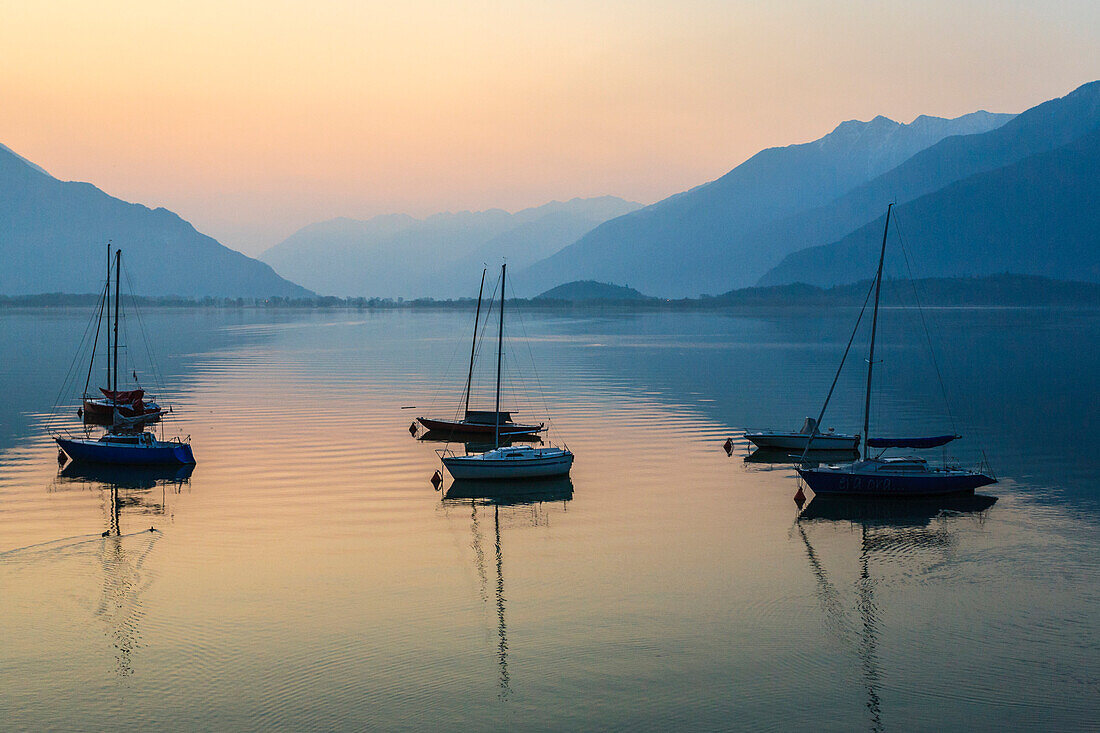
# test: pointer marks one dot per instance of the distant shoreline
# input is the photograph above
(996, 291)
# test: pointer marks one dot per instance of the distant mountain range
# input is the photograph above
(1039, 216)
(53, 235)
(1021, 198)
(707, 240)
(976, 195)
(440, 256)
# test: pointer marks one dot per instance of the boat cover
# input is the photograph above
(487, 417)
(933, 442)
(128, 397)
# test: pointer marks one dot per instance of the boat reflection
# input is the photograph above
(126, 491)
(893, 512)
(813, 458)
(891, 528)
(502, 495)
(125, 477)
(527, 491)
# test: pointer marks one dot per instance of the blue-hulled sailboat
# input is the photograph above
(878, 475)
(124, 443)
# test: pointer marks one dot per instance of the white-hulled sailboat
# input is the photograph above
(507, 462)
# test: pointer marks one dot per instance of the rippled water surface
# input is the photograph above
(307, 575)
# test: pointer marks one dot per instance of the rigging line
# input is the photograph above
(473, 344)
(535, 371)
(95, 344)
(483, 327)
(836, 377)
(157, 376)
(924, 323)
(440, 384)
(70, 374)
(158, 381)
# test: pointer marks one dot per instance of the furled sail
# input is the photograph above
(932, 442)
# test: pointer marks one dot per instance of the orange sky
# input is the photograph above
(251, 119)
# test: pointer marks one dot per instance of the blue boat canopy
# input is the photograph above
(933, 442)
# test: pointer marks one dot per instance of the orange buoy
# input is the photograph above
(437, 479)
(799, 498)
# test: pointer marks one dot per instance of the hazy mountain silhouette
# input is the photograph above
(1038, 216)
(699, 241)
(440, 256)
(1042, 128)
(53, 235)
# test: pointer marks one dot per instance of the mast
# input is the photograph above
(874, 327)
(500, 353)
(107, 305)
(114, 366)
(473, 346)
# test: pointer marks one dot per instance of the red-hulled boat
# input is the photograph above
(126, 406)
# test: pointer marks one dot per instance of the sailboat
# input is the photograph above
(507, 462)
(478, 422)
(125, 443)
(878, 475)
(114, 406)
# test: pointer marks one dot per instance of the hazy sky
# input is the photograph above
(251, 119)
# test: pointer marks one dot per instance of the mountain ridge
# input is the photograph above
(438, 255)
(692, 230)
(1036, 216)
(1044, 127)
(52, 233)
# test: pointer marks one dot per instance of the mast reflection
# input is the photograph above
(506, 495)
(886, 526)
(126, 492)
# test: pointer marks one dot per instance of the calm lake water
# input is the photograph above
(307, 575)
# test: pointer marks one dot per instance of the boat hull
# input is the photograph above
(827, 481)
(476, 468)
(797, 441)
(461, 427)
(161, 453)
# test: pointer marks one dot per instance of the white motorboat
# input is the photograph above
(792, 441)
